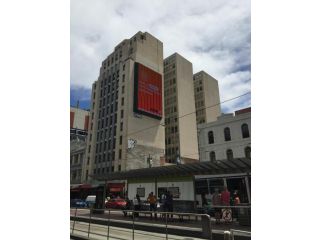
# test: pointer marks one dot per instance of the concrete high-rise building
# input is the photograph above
(126, 120)
(181, 131)
(206, 90)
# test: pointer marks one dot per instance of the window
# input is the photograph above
(210, 137)
(212, 156)
(120, 140)
(122, 101)
(227, 136)
(121, 113)
(120, 154)
(247, 152)
(119, 168)
(229, 154)
(122, 89)
(121, 126)
(245, 130)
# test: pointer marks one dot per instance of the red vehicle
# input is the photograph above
(117, 203)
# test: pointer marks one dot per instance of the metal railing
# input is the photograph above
(205, 221)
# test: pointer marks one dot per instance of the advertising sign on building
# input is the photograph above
(147, 91)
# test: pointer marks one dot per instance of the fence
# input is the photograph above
(204, 219)
(230, 216)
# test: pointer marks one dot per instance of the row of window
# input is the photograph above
(227, 133)
(229, 153)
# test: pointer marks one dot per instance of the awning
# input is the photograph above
(115, 189)
(238, 165)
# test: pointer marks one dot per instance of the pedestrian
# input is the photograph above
(169, 203)
(236, 202)
(204, 203)
(152, 200)
(137, 204)
(225, 196)
(216, 201)
(225, 200)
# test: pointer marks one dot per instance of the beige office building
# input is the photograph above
(207, 98)
(180, 119)
(126, 120)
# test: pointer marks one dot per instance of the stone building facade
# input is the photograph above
(227, 138)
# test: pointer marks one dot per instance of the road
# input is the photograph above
(99, 232)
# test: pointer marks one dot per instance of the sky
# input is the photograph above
(214, 35)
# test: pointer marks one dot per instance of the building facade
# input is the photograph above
(180, 126)
(126, 120)
(77, 151)
(79, 123)
(207, 98)
(227, 138)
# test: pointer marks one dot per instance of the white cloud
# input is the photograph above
(213, 35)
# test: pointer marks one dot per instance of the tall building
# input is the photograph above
(227, 138)
(180, 126)
(206, 90)
(126, 127)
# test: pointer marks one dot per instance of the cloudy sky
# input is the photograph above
(214, 35)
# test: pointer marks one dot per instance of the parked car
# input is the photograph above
(78, 203)
(117, 203)
(91, 200)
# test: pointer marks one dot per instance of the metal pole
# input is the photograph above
(226, 235)
(133, 225)
(75, 215)
(166, 227)
(210, 227)
(108, 224)
(90, 222)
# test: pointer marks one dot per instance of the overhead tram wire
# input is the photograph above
(163, 125)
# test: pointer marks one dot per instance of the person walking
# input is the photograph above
(152, 200)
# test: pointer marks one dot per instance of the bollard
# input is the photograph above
(108, 224)
(226, 235)
(206, 226)
(75, 215)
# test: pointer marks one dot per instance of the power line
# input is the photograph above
(141, 130)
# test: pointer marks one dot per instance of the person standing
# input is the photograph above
(216, 201)
(225, 197)
(236, 202)
(169, 202)
(152, 200)
(137, 204)
(225, 201)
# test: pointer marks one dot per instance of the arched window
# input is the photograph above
(229, 154)
(212, 156)
(227, 136)
(245, 130)
(210, 137)
(247, 152)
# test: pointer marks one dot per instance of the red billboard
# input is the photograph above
(147, 91)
